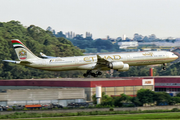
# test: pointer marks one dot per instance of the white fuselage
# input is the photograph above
(89, 62)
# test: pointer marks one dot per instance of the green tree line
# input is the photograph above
(144, 97)
(94, 46)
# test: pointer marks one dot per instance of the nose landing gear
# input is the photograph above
(89, 72)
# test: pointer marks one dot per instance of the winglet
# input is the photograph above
(45, 56)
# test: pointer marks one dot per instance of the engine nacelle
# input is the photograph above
(116, 65)
(125, 68)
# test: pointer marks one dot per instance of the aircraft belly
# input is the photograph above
(89, 66)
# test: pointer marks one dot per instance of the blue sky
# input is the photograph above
(99, 17)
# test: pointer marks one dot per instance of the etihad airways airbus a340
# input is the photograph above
(118, 61)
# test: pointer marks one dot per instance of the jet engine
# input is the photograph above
(116, 65)
(125, 68)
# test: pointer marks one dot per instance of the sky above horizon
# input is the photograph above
(99, 17)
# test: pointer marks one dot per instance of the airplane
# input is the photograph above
(118, 61)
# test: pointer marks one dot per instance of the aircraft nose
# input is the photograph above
(176, 56)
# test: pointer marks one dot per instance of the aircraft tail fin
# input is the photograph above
(23, 53)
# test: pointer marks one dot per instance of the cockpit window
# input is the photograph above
(173, 54)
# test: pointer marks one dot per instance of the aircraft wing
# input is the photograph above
(25, 62)
(101, 61)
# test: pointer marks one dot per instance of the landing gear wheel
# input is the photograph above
(164, 68)
(99, 73)
(85, 75)
(93, 74)
(89, 72)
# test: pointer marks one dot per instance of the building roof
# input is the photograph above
(74, 82)
(88, 82)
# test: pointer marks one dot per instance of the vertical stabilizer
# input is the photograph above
(23, 53)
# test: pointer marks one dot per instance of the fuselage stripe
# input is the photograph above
(63, 66)
(149, 60)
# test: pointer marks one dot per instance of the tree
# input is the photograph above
(163, 98)
(176, 99)
(60, 34)
(117, 101)
(146, 96)
(78, 37)
(125, 98)
(178, 95)
(137, 37)
(152, 37)
(136, 101)
(50, 29)
(146, 39)
(105, 100)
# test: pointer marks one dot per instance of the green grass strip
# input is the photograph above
(145, 116)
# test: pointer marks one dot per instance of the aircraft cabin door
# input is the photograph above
(128, 57)
(76, 61)
(167, 55)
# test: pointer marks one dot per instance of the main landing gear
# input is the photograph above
(164, 66)
(89, 72)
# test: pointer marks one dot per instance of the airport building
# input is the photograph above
(66, 90)
(169, 84)
(124, 45)
(63, 96)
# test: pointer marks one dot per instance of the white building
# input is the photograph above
(63, 96)
(123, 45)
(124, 37)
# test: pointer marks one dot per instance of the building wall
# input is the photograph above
(37, 96)
(169, 84)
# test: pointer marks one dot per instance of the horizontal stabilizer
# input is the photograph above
(17, 62)
(12, 61)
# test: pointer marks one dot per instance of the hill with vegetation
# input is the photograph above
(37, 40)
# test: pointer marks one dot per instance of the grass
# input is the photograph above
(142, 116)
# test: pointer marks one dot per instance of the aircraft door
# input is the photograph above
(167, 55)
(76, 61)
(44, 62)
(123, 57)
(128, 57)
